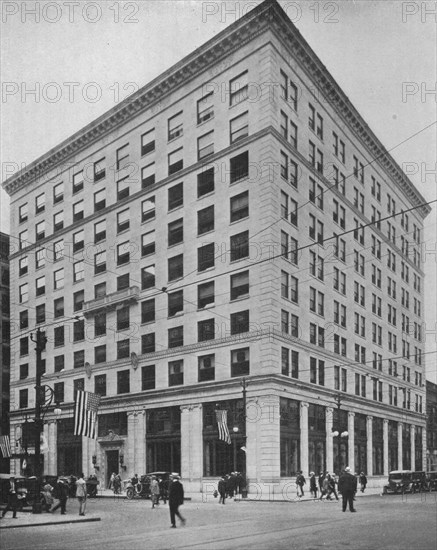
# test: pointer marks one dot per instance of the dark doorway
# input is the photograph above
(111, 464)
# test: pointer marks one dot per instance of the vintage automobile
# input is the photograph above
(399, 482)
(142, 488)
(25, 488)
(406, 481)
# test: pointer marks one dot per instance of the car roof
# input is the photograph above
(401, 472)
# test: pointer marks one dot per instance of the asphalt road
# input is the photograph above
(381, 523)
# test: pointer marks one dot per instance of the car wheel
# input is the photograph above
(130, 493)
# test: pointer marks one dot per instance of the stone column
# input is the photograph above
(47, 456)
(385, 445)
(351, 440)
(192, 444)
(53, 447)
(400, 458)
(369, 431)
(86, 458)
(423, 448)
(140, 459)
(129, 450)
(304, 460)
(413, 447)
(329, 442)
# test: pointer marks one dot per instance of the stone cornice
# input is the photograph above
(268, 15)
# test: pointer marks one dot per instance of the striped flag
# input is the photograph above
(222, 423)
(85, 413)
(5, 446)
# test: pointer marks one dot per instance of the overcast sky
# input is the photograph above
(382, 53)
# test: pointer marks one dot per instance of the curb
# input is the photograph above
(17, 526)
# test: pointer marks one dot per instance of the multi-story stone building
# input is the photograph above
(236, 218)
(5, 343)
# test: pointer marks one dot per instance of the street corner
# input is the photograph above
(37, 520)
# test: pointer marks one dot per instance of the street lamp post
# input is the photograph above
(40, 341)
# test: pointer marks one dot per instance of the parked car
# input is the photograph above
(419, 482)
(399, 482)
(142, 488)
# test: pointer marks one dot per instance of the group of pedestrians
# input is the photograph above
(115, 483)
(229, 485)
(55, 496)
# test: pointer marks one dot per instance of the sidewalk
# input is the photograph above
(27, 519)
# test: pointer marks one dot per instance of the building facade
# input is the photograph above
(431, 426)
(5, 343)
(236, 219)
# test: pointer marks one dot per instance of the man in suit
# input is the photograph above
(60, 492)
(12, 499)
(175, 499)
(347, 486)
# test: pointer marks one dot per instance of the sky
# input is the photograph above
(66, 63)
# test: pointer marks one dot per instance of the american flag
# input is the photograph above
(222, 423)
(85, 413)
(5, 446)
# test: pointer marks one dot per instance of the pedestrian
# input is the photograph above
(154, 491)
(163, 489)
(175, 499)
(363, 482)
(12, 499)
(111, 481)
(81, 494)
(332, 484)
(117, 484)
(326, 487)
(300, 482)
(222, 490)
(313, 484)
(60, 493)
(321, 478)
(347, 486)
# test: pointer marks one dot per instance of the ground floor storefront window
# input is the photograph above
(163, 439)
(316, 438)
(392, 446)
(289, 437)
(406, 446)
(69, 449)
(340, 441)
(360, 443)
(418, 447)
(220, 457)
(378, 446)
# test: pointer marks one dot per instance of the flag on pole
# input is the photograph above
(5, 446)
(85, 413)
(222, 423)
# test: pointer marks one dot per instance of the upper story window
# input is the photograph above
(239, 206)
(58, 193)
(239, 127)
(58, 221)
(122, 156)
(99, 169)
(148, 142)
(205, 145)
(99, 231)
(239, 166)
(40, 231)
(339, 148)
(77, 182)
(175, 161)
(175, 126)
(148, 175)
(205, 182)
(99, 200)
(205, 108)
(238, 88)
(148, 209)
(123, 188)
(40, 203)
(123, 220)
(175, 196)
(23, 213)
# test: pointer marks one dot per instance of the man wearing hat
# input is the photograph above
(12, 499)
(175, 499)
(347, 486)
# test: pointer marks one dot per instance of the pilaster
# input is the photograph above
(129, 450)
(329, 442)
(369, 431)
(351, 442)
(400, 458)
(191, 442)
(385, 445)
(413, 447)
(304, 459)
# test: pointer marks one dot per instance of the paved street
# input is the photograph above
(381, 522)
